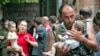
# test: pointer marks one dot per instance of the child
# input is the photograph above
(12, 37)
(66, 39)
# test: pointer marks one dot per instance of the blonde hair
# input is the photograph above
(10, 23)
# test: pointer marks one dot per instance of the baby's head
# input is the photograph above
(12, 26)
(78, 25)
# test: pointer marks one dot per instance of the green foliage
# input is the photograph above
(3, 2)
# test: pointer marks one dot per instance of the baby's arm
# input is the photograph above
(62, 38)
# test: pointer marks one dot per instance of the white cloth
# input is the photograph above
(71, 42)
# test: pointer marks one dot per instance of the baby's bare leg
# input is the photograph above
(19, 49)
(53, 50)
(22, 53)
(54, 46)
(16, 54)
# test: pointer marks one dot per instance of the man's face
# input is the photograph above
(68, 16)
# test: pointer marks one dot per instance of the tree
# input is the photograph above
(3, 2)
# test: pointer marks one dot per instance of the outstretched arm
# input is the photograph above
(31, 40)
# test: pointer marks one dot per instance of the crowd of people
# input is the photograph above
(67, 35)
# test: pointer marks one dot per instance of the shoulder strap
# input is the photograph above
(85, 30)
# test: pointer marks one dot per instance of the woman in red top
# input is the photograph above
(24, 38)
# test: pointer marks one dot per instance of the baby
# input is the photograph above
(12, 37)
(66, 39)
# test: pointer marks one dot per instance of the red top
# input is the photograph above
(23, 43)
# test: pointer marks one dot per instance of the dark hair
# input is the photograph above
(98, 15)
(20, 20)
(53, 19)
(86, 12)
(38, 20)
(96, 19)
(60, 9)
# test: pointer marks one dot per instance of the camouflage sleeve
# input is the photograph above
(57, 32)
(3, 42)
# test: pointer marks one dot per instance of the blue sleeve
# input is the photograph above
(98, 38)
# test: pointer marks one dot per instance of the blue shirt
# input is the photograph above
(98, 42)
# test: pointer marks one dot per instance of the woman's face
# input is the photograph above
(22, 27)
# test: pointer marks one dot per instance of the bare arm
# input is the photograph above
(61, 37)
(90, 42)
(33, 43)
(31, 40)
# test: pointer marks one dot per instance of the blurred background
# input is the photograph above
(27, 9)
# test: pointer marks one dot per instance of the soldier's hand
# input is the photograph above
(61, 49)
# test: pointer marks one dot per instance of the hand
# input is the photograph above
(76, 35)
(1, 37)
(62, 50)
(26, 38)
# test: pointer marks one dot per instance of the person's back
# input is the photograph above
(50, 33)
(41, 37)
